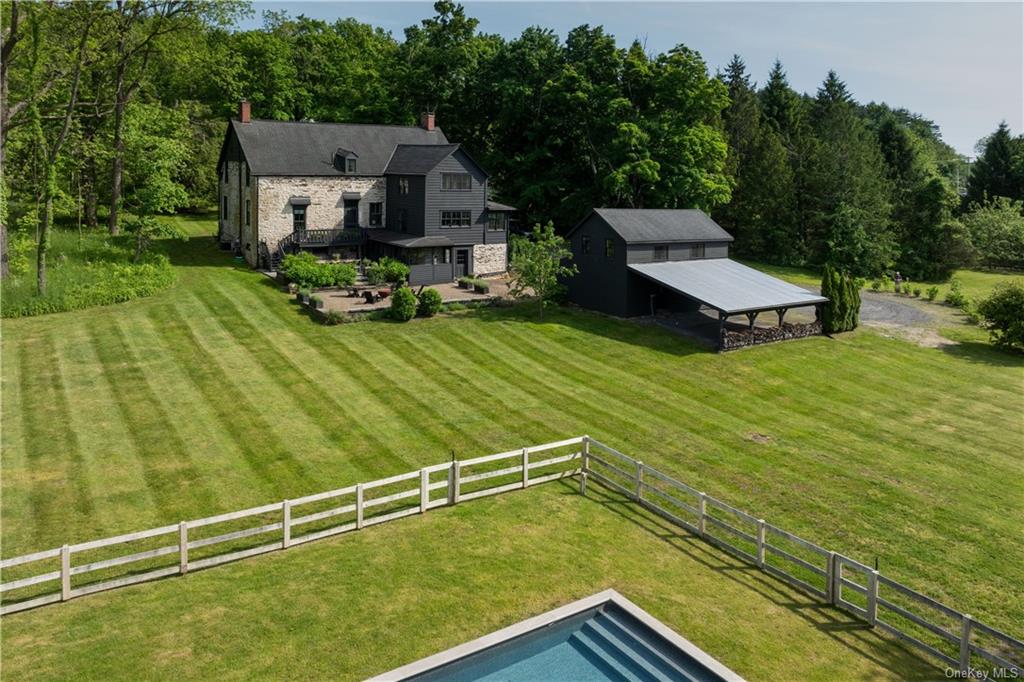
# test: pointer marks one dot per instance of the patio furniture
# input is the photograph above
(369, 297)
(383, 294)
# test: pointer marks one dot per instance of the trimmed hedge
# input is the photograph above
(403, 304)
(308, 272)
(430, 303)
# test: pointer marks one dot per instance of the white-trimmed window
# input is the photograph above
(456, 182)
(456, 218)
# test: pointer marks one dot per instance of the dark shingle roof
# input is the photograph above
(640, 225)
(301, 148)
(418, 159)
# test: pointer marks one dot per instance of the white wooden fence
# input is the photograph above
(952, 637)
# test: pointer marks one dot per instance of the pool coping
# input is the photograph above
(529, 625)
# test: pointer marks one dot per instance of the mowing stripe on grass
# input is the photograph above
(176, 485)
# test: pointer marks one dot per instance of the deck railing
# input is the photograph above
(952, 637)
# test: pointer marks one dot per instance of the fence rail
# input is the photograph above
(836, 579)
(183, 547)
(950, 636)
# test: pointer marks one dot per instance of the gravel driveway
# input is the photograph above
(888, 310)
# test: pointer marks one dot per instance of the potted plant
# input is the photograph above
(481, 286)
(293, 288)
(465, 282)
(316, 301)
(304, 295)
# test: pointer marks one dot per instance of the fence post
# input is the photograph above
(760, 543)
(286, 524)
(965, 642)
(872, 598)
(701, 514)
(585, 455)
(182, 547)
(456, 484)
(833, 575)
(583, 483)
(65, 573)
(639, 481)
(359, 506)
(526, 467)
(424, 490)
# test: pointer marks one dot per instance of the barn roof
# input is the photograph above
(662, 225)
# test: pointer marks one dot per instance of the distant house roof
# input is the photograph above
(305, 148)
(661, 225)
(495, 206)
(418, 159)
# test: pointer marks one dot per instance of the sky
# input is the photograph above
(958, 64)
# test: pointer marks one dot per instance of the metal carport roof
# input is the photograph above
(726, 286)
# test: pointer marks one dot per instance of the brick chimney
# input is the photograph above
(243, 111)
(427, 120)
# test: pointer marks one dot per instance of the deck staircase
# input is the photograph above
(310, 239)
(609, 644)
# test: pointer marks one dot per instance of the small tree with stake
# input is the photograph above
(538, 264)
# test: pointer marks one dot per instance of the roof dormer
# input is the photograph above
(346, 161)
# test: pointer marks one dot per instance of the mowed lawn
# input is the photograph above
(220, 393)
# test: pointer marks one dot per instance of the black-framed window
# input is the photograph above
(248, 212)
(350, 210)
(248, 175)
(585, 243)
(609, 248)
(298, 218)
(403, 185)
(456, 218)
(350, 165)
(224, 208)
(376, 214)
(660, 253)
(696, 251)
(497, 221)
(456, 182)
(403, 220)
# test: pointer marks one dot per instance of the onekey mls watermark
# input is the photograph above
(984, 674)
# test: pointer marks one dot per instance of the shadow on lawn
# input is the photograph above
(843, 628)
(983, 353)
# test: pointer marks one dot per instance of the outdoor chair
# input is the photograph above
(369, 297)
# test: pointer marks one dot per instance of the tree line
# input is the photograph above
(115, 108)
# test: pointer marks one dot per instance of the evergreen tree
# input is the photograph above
(999, 170)
(848, 193)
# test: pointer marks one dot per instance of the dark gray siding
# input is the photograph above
(644, 253)
(600, 283)
(473, 200)
(430, 274)
(412, 202)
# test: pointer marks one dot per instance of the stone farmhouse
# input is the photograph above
(349, 191)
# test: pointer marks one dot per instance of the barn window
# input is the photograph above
(696, 251)
(403, 185)
(350, 165)
(248, 212)
(609, 248)
(247, 176)
(585, 243)
(660, 253)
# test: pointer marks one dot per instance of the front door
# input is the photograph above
(351, 213)
(461, 262)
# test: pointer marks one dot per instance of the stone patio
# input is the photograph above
(341, 300)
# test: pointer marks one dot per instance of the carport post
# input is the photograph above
(751, 317)
(721, 328)
(782, 314)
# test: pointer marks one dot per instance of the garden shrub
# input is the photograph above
(387, 271)
(481, 286)
(876, 285)
(933, 293)
(403, 304)
(842, 312)
(917, 292)
(304, 269)
(315, 301)
(466, 282)
(955, 296)
(430, 303)
(334, 317)
(1003, 314)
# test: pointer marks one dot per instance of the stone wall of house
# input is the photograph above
(490, 259)
(326, 208)
(248, 241)
(229, 220)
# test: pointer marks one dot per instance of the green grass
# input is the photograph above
(219, 393)
(83, 271)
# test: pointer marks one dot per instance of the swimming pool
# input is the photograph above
(596, 639)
